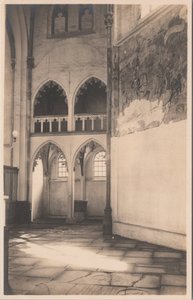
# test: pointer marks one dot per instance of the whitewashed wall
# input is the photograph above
(149, 185)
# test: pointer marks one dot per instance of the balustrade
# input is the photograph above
(49, 124)
(57, 124)
(90, 123)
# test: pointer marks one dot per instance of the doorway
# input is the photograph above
(49, 183)
(90, 178)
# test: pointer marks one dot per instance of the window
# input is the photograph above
(62, 166)
(60, 20)
(100, 164)
(86, 17)
(70, 20)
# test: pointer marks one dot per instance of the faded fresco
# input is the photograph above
(151, 77)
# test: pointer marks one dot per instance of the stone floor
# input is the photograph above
(77, 260)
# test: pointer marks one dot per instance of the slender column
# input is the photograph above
(50, 125)
(73, 192)
(30, 66)
(83, 124)
(82, 187)
(12, 126)
(32, 126)
(12, 106)
(59, 125)
(92, 124)
(107, 222)
(102, 122)
(71, 178)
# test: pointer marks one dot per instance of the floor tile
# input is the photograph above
(71, 276)
(149, 281)
(139, 253)
(172, 290)
(121, 279)
(98, 278)
(168, 254)
(44, 272)
(177, 280)
(149, 270)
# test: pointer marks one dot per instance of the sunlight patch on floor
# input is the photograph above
(75, 256)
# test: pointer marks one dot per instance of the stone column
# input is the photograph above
(82, 182)
(70, 113)
(23, 207)
(13, 62)
(46, 195)
(71, 187)
(107, 222)
(30, 65)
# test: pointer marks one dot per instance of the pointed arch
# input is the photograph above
(90, 96)
(50, 99)
(45, 152)
(92, 143)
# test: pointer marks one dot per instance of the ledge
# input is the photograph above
(67, 133)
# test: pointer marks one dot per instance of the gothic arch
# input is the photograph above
(86, 79)
(45, 152)
(87, 142)
(50, 107)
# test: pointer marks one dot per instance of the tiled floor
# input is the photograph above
(77, 260)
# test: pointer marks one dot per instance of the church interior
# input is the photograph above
(95, 144)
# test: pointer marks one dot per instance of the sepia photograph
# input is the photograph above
(96, 123)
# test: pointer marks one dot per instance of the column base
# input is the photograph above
(107, 222)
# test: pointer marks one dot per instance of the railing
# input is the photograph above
(57, 124)
(49, 124)
(90, 122)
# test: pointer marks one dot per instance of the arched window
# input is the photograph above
(51, 100)
(60, 20)
(100, 164)
(86, 17)
(62, 166)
